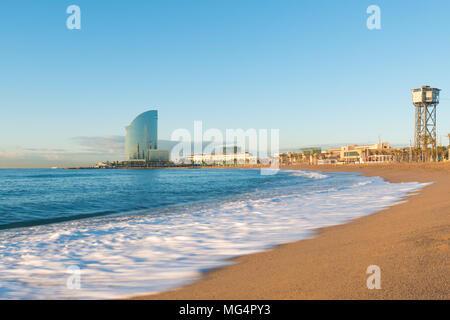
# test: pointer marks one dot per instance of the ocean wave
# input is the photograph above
(306, 174)
(131, 254)
(362, 183)
(58, 175)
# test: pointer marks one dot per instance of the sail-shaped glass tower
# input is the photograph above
(142, 136)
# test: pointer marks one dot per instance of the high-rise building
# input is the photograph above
(142, 136)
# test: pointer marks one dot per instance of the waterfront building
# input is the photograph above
(355, 153)
(233, 158)
(142, 136)
(141, 142)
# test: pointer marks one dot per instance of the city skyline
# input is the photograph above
(316, 72)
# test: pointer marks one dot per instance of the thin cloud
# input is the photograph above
(12, 154)
(106, 144)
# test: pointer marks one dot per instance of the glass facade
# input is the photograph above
(142, 136)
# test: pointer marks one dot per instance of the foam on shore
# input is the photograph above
(142, 253)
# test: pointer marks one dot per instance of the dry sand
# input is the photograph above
(408, 241)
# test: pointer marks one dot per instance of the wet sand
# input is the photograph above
(408, 241)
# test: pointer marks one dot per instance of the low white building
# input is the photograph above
(223, 158)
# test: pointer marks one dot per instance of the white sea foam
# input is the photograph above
(307, 174)
(125, 255)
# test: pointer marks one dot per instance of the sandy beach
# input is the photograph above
(408, 241)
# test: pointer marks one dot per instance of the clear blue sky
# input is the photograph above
(309, 68)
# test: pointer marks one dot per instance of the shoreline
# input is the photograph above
(412, 250)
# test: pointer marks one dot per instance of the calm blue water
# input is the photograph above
(141, 231)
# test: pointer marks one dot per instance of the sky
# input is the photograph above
(311, 69)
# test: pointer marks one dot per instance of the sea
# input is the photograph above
(101, 234)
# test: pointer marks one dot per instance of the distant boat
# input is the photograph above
(54, 168)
